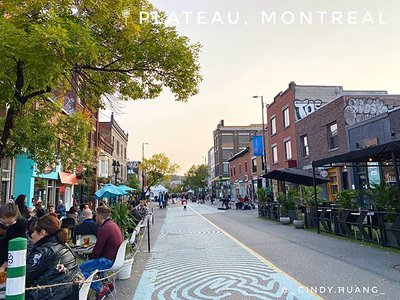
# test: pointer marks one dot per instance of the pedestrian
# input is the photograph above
(166, 198)
(184, 203)
(23, 209)
(61, 210)
(161, 200)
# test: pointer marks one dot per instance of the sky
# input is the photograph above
(257, 47)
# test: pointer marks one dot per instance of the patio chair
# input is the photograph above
(117, 265)
(84, 290)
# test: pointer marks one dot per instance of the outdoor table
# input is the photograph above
(82, 251)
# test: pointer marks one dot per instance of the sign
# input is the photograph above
(133, 167)
(323, 173)
(258, 145)
(373, 173)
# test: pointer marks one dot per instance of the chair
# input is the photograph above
(118, 263)
(132, 240)
(84, 290)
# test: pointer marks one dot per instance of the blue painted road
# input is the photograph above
(194, 259)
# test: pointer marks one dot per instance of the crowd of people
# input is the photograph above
(50, 259)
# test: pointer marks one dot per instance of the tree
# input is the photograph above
(196, 177)
(60, 52)
(134, 182)
(157, 168)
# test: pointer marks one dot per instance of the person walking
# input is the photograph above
(161, 200)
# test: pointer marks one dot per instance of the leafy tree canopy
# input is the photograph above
(157, 169)
(93, 48)
(196, 176)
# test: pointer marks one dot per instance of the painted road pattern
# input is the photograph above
(194, 259)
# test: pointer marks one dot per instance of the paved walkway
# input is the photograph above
(193, 259)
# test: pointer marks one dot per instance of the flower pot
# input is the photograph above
(126, 270)
(299, 224)
(284, 220)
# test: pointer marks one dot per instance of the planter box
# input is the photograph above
(299, 224)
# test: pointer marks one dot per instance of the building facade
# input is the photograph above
(323, 133)
(228, 140)
(113, 166)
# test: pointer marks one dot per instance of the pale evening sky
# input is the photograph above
(260, 56)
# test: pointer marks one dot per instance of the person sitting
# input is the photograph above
(109, 238)
(50, 261)
(12, 225)
(88, 226)
(52, 211)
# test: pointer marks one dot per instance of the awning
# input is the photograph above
(374, 153)
(295, 176)
(68, 178)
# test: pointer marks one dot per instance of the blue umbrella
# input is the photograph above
(126, 188)
(109, 191)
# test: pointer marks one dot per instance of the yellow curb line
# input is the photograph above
(252, 252)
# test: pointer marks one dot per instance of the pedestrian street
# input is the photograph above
(193, 259)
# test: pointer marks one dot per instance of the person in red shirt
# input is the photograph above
(109, 238)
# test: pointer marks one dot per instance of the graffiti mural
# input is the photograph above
(305, 107)
(359, 109)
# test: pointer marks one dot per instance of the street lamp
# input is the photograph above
(143, 192)
(116, 166)
(264, 160)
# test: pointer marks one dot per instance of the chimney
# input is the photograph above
(222, 123)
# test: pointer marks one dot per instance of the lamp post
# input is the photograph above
(143, 192)
(116, 166)
(264, 160)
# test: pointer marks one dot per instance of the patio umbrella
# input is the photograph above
(126, 188)
(109, 191)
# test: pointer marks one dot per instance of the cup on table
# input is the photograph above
(86, 241)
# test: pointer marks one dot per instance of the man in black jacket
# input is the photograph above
(88, 226)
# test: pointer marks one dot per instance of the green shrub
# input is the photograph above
(384, 196)
(347, 199)
(121, 216)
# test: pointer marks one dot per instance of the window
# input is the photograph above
(286, 120)
(333, 137)
(274, 154)
(240, 169)
(304, 145)
(273, 126)
(226, 168)
(117, 147)
(254, 165)
(234, 171)
(245, 166)
(288, 150)
(244, 138)
(227, 153)
(227, 138)
(231, 172)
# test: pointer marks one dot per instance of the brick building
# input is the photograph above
(113, 165)
(228, 140)
(322, 134)
(288, 107)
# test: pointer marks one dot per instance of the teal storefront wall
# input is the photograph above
(25, 174)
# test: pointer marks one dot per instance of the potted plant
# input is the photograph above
(293, 201)
(283, 212)
(299, 221)
(309, 203)
(262, 200)
(121, 215)
(384, 197)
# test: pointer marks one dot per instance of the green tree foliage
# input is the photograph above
(157, 169)
(196, 177)
(347, 199)
(94, 49)
(133, 182)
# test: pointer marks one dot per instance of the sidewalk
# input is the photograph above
(192, 259)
